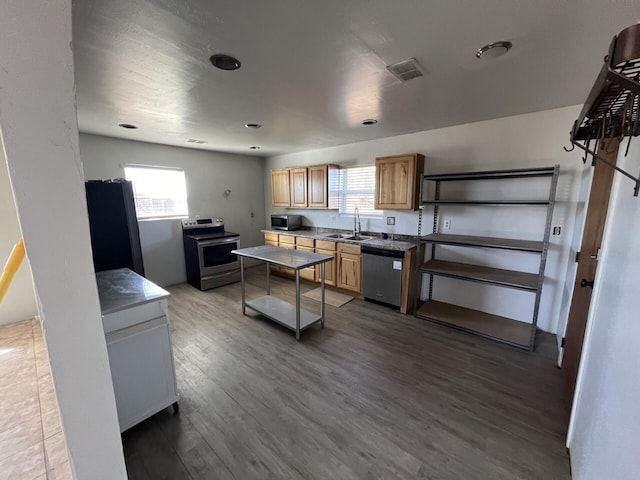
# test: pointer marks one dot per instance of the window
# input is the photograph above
(158, 191)
(358, 189)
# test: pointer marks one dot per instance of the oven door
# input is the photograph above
(215, 255)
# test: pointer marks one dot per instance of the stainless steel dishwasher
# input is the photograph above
(382, 275)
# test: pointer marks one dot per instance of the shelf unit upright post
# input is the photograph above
(502, 329)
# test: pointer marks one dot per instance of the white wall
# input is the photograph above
(516, 142)
(604, 435)
(19, 302)
(576, 243)
(208, 175)
(40, 136)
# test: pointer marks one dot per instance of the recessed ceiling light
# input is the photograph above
(255, 126)
(128, 125)
(369, 121)
(494, 50)
(254, 147)
(225, 62)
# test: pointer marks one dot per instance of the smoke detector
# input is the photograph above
(406, 69)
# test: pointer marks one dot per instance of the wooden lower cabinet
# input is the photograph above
(327, 248)
(272, 239)
(287, 241)
(349, 267)
(344, 272)
(306, 245)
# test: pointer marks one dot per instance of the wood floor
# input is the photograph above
(375, 394)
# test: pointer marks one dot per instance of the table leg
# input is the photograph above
(322, 272)
(297, 304)
(242, 283)
(268, 279)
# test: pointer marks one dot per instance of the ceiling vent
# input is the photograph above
(406, 69)
(199, 142)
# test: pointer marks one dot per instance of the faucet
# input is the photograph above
(356, 230)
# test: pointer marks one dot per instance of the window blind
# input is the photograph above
(358, 186)
(158, 192)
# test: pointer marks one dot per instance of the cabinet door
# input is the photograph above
(142, 370)
(287, 241)
(397, 182)
(308, 273)
(323, 186)
(272, 239)
(349, 271)
(318, 186)
(280, 188)
(329, 268)
(299, 187)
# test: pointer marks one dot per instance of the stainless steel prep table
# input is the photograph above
(284, 313)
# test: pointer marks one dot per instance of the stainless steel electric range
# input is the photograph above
(207, 252)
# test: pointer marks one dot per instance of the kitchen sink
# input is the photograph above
(358, 238)
(338, 235)
(349, 236)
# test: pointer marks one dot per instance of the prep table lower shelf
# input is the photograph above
(282, 312)
(288, 315)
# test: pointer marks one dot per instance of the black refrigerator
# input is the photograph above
(115, 238)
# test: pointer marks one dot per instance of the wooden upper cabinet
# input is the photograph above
(398, 181)
(323, 186)
(280, 189)
(298, 187)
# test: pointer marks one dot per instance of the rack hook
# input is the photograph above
(573, 147)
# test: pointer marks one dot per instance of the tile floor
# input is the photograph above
(32, 444)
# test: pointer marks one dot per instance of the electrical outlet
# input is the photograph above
(391, 220)
(446, 224)
(556, 230)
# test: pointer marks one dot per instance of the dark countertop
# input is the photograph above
(385, 244)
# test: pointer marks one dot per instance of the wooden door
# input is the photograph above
(329, 268)
(272, 239)
(327, 248)
(318, 186)
(350, 266)
(299, 187)
(397, 182)
(587, 264)
(287, 241)
(280, 188)
(308, 273)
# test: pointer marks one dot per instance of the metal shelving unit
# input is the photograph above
(503, 329)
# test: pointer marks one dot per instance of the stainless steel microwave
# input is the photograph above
(286, 222)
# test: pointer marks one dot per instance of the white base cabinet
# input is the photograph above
(141, 361)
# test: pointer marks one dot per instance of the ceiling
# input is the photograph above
(313, 70)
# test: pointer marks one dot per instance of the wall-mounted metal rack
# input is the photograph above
(503, 329)
(612, 109)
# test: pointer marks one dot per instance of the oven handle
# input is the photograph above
(218, 241)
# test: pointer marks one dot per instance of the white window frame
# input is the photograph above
(347, 206)
(182, 213)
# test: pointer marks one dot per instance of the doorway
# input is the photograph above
(587, 259)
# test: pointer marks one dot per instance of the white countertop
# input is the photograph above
(122, 288)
